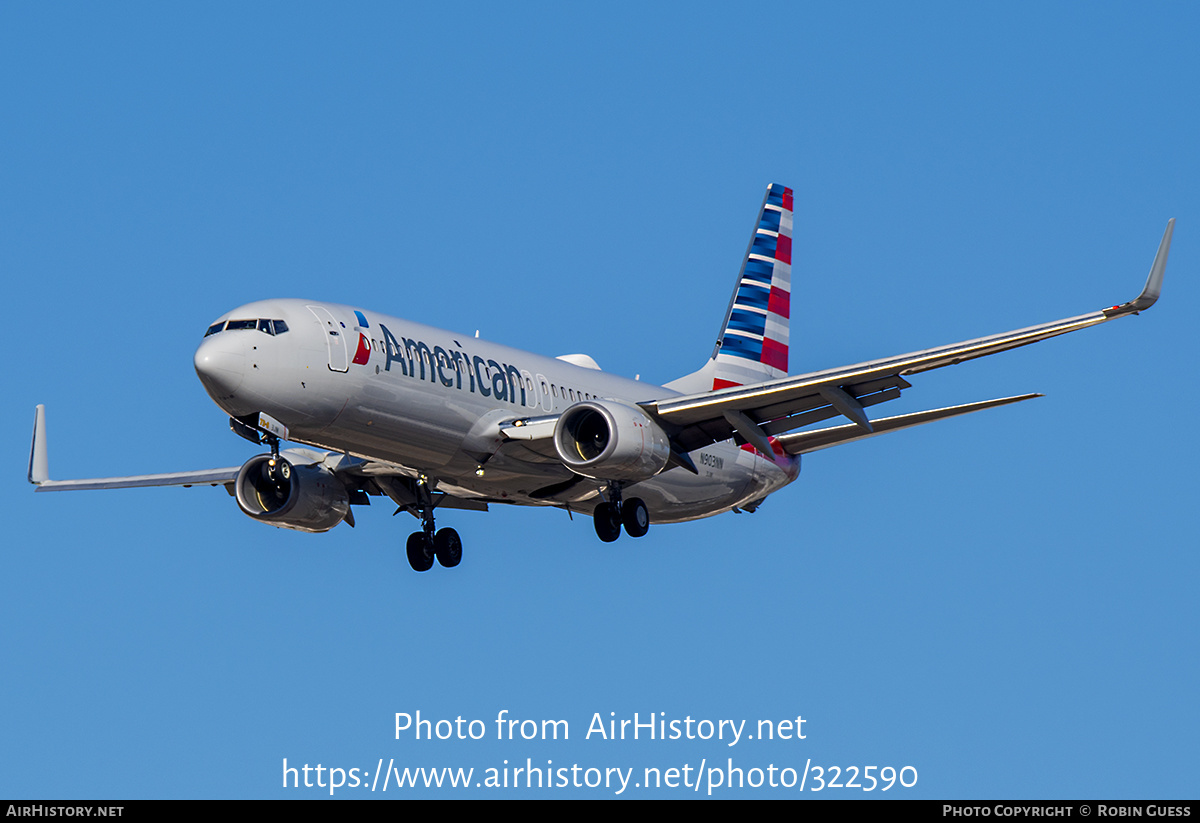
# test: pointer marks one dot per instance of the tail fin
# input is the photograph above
(753, 344)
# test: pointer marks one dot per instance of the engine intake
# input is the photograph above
(606, 440)
(307, 498)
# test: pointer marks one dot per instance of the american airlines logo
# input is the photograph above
(449, 367)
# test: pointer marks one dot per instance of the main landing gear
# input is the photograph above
(425, 545)
(610, 515)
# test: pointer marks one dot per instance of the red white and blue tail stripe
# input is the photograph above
(753, 346)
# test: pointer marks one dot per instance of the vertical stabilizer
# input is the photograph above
(753, 343)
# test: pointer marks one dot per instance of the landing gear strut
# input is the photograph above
(425, 545)
(277, 470)
(611, 514)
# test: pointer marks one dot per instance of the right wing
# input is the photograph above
(39, 473)
(362, 477)
(758, 411)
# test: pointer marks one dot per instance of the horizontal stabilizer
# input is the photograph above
(805, 442)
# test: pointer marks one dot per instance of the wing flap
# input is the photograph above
(797, 421)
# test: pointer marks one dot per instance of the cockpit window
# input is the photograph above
(266, 326)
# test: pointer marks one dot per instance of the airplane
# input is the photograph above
(436, 420)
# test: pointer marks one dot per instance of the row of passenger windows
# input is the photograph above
(574, 395)
(266, 326)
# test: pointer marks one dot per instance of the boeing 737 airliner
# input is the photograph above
(435, 420)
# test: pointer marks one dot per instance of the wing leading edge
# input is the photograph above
(771, 408)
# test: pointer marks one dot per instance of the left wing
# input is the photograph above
(757, 411)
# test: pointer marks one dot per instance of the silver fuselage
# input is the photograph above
(432, 403)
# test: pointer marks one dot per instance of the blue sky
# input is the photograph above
(1004, 602)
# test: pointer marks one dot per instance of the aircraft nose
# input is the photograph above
(221, 364)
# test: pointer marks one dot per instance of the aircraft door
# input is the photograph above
(335, 339)
(544, 391)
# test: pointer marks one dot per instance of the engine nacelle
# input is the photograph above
(308, 498)
(606, 440)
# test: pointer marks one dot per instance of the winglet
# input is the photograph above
(39, 471)
(1153, 287)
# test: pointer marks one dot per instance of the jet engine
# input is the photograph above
(606, 440)
(290, 494)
